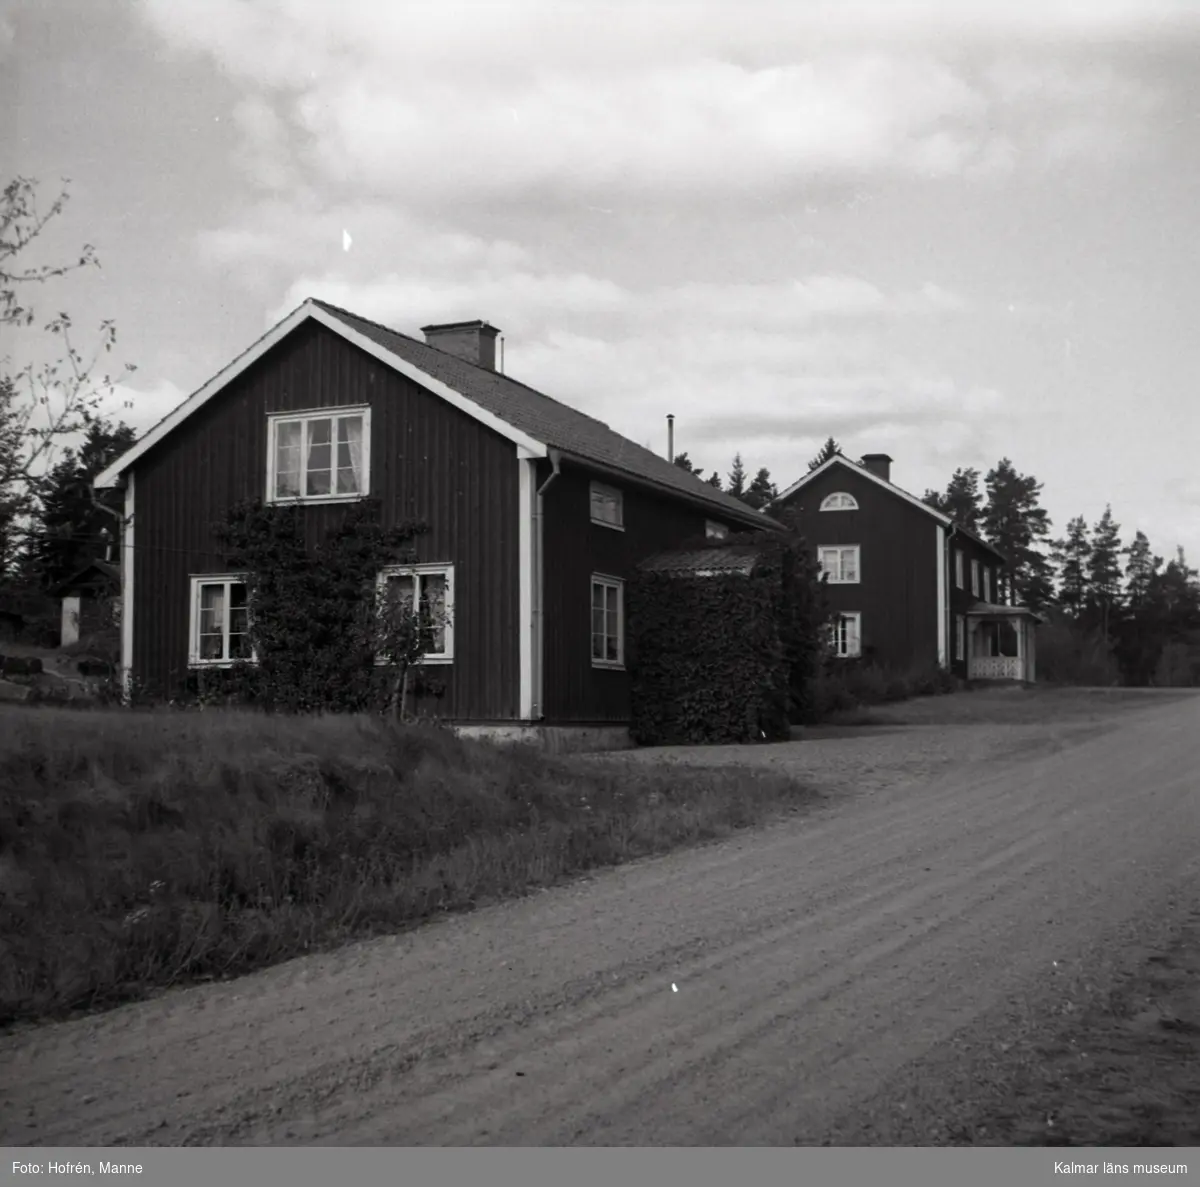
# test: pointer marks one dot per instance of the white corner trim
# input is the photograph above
(943, 622)
(308, 311)
(127, 589)
(526, 578)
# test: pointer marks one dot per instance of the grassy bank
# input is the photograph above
(145, 849)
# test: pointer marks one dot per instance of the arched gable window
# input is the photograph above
(839, 501)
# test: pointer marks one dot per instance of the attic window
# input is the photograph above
(839, 501)
(608, 506)
(714, 530)
(319, 456)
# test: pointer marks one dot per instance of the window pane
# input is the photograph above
(318, 459)
(287, 459)
(349, 455)
(212, 622)
(400, 591)
(433, 611)
(849, 565)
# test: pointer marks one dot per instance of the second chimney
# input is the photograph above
(474, 341)
(879, 464)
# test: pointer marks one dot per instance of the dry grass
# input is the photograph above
(143, 849)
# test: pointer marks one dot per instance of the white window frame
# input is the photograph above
(601, 496)
(960, 581)
(197, 581)
(616, 583)
(960, 636)
(840, 500)
(417, 572)
(839, 634)
(976, 586)
(275, 419)
(841, 550)
(714, 530)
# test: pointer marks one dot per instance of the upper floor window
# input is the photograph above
(427, 590)
(319, 455)
(608, 622)
(841, 563)
(714, 530)
(958, 569)
(975, 584)
(839, 501)
(608, 506)
(987, 584)
(219, 621)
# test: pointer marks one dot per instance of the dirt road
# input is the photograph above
(840, 977)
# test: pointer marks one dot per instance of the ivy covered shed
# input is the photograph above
(707, 631)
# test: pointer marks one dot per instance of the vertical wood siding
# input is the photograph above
(961, 600)
(897, 590)
(576, 548)
(428, 462)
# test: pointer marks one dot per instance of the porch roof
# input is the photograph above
(994, 610)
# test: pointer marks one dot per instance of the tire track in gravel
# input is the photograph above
(813, 960)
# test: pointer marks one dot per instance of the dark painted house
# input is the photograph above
(537, 513)
(909, 588)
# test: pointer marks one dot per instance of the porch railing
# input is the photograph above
(995, 667)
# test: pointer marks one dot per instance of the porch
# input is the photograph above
(1002, 643)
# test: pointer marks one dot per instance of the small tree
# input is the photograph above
(1104, 569)
(40, 404)
(685, 463)
(401, 635)
(714, 480)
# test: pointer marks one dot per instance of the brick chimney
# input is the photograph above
(879, 464)
(474, 341)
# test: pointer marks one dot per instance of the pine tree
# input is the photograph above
(1071, 554)
(830, 449)
(1140, 570)
(737, 477)
(961, 499)
(1104, 569)
(714, 480)
(762, 490)
(1014, 523)
(685, 463)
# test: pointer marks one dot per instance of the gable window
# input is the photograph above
(975, 586)
(608, 622)
(218, 621)
(960, 637)
(319, 455)
(840, 563)
(958, 569)
(839, 501)
(845, 635)
(608, 506)
(430, 588)
(714, 530)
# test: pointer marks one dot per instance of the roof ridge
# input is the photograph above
(458, 358)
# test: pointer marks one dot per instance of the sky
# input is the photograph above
(951, 232)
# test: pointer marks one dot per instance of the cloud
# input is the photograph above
(451, 104)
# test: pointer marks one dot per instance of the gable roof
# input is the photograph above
(534, 422)
(841, 460)
(106, 571)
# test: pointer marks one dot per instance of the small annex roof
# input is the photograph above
(841, 460)
(534, 422)
(736, 559)
(105, 570)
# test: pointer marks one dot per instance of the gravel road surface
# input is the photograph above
(835, 978)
